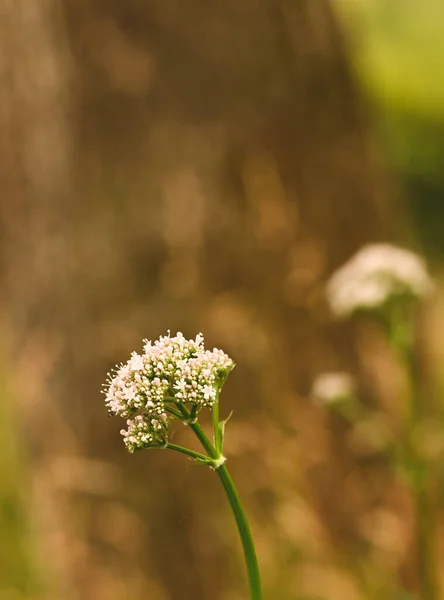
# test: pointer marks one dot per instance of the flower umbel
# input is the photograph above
(171, 371)
(376, 274)
(145, 430)
(199, 379)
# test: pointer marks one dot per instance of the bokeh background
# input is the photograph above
(204, 166)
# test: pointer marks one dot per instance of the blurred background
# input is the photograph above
(205, 166)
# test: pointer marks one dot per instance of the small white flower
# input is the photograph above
(136, 362)
(180, 386)
(209, 393)
(375, 274)
(329, 388)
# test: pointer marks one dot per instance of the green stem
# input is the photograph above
(402, 339)
(239, 514)
(244, 532)
(175, 413)
(193, 413)
(198, 431)
(187, 452)
(424, 543)
(419, 488)
(203, 439)
(216, 433)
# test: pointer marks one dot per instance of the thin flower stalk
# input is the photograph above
(387, 282)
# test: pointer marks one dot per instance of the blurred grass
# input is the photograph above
(399, 46)
(18, 574)
(398, 51)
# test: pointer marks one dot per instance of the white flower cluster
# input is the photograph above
(329, 388)
(172, 370)
(375, 274)
(145, 430)
(200, 378)
(133, 386)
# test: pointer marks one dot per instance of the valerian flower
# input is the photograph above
(170, 372)
(375, 275)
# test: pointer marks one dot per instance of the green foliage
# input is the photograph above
(17, 573)
(398, 50)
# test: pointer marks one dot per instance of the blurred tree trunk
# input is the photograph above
(35, 157)
(214, 168)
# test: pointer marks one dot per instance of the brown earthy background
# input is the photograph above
(204, 166)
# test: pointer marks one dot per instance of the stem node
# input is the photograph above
(218, 462)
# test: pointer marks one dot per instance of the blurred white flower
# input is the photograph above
(329, 388)
(375, 274)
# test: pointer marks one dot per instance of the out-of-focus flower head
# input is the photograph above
(376, 274)
(333, 387)
(170, 371)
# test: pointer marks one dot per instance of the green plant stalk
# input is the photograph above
(244, 532)
(239, 514)
(402, 340)
(425, 558)
(424, 544)
(187, 452)
(175, 413)
(216, 433)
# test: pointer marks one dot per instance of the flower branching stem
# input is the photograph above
(187, 451)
